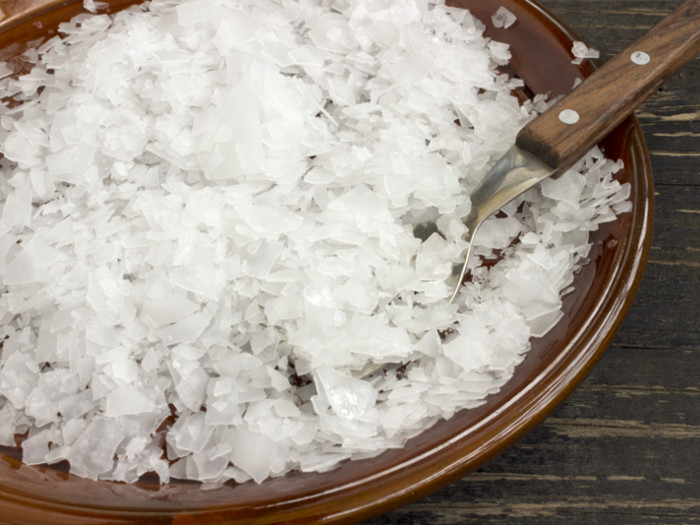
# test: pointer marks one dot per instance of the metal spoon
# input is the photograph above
(555, 140)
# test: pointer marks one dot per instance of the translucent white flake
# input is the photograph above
(581, 51)
(348, 397)
(503, 18)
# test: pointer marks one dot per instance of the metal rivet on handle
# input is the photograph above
(568, 116)
(640, 58)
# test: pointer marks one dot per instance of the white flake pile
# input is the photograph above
(206, 233)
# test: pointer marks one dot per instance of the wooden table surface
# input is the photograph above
(625, 447)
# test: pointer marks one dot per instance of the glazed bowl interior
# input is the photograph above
(552, 369)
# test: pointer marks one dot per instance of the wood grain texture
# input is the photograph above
(624, 448)
(612, 92)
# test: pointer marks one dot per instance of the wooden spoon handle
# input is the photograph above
(564, 132)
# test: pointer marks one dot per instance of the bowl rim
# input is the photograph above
(437, 465)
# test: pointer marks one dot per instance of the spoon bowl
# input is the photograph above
(555, 140)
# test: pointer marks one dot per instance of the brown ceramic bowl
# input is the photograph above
(554, 367)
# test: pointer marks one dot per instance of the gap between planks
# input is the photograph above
(619, 428)
(675, 117)
(689, 264)
(640, 390)
(517, 476)
(671, 507)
